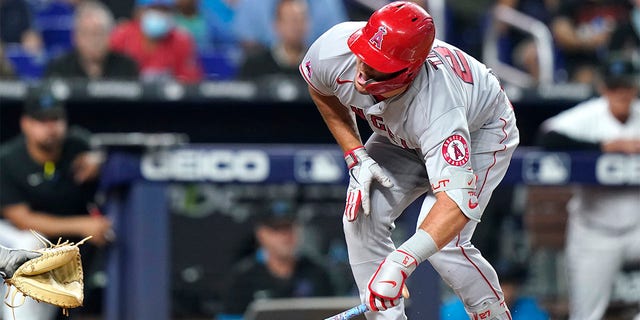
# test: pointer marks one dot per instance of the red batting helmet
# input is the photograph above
(397, 37)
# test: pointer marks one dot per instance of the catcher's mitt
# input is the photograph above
(55, 277)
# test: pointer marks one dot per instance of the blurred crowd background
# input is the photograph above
(551, 40)
(205, 56)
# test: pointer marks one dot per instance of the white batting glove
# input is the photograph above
(362, 171)
(385, 287)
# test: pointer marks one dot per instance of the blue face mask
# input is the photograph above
(156, 24)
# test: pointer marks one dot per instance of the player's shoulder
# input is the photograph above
(11, 148)
(125, 28)
(13, 156)
(582, 113)
(333, 42)
(589, 106)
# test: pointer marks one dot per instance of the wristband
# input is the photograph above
(421, 246)
(352, 158)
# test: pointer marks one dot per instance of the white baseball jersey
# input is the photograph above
(438, 114)
(591, 121)
(604, 223)
(452, 130)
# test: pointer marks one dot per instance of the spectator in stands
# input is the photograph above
(92, 58)
(582, 29)
(466, 24)
(121, 9)
(48, 177)
(253, 21)
(625, 40)
(291, 26)
(220, 15)
(6, 69)
(361, 10)
(512, 280)
(520, 48)
(189, 17)
(162, 51)
(276, 270)
(16, 26)
(604, 224)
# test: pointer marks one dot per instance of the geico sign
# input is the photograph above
(618, 169)
(214, 165)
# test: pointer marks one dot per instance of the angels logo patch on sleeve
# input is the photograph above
(455, 150)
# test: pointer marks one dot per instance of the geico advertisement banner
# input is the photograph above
(247, 165)
(324, 164)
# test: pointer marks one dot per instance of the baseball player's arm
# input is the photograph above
(339, 120)
(553, 140)
(363, 170)
(444, 221)
(81, 225)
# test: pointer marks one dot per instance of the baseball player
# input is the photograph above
(604, 223)
(11, 259)
(441, 125)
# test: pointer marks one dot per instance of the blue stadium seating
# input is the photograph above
(55, 22)
(27, 66)
(218, 64)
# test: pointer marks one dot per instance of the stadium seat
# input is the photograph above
(27, 65)
(55, 22)
(217, 65)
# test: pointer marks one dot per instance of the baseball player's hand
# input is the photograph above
(99, 228)
(11, 259)
(629, 146)
(362, 171)
(388, 283)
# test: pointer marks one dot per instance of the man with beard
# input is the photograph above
(47, 180)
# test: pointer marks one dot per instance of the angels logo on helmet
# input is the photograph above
(377, 38)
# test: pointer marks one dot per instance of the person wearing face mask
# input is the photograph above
(163, 52)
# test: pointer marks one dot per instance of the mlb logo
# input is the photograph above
(546, 168)
(312, 166)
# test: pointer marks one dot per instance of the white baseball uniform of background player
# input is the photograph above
(451, 129)
(604, 222)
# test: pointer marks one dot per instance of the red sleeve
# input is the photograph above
(188, 68)
(117, 38)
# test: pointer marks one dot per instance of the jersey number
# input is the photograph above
(457, 61)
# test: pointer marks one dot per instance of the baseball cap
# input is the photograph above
(277, 213)
(147, 3)
(621, 72)
(41, 104)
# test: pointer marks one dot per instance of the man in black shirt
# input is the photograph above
(291, 27)
(276, 270)
(47, 179)
(92, 58)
